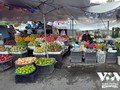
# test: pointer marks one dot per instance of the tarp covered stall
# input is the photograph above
(67, 8)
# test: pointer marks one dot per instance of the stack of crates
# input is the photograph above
(76, 56)
(111, 57)
(90, 57)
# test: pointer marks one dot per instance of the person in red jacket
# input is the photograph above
(78, 35)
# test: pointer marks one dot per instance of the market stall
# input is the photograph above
(36, 54)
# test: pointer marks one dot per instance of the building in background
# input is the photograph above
(111, 0)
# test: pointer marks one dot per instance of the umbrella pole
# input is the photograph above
(44, 20)
(46, 48)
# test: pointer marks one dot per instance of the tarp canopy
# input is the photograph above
(72, 8)
(18, 14)
(63, 9)
(36, 3)
(103, 8)
(68, 7)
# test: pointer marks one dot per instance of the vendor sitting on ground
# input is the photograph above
(86, 37)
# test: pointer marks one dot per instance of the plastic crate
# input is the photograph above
(5, 65)
(112, 55)
(90, 57)
(90, 60)
(31, 78)
(111, 58)
(76, 56)
(76, 59)
(76, 53)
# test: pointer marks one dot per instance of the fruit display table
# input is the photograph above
(39, 54)
(55, 51)
(45, 65)
(56, 55)
(31, 47)
(18, 52)
(5, 62)
(9, 46)
(4, 52)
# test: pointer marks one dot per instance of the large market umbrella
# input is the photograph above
(45, 7)
(18, 14)
(72, 7)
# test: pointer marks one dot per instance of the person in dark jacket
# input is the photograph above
(86, 37)
(11, 31)
(40, 25)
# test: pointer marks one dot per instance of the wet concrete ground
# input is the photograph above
(71, 76)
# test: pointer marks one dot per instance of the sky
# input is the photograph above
(100, 1)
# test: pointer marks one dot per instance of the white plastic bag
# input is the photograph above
(101, 56)
(62, 32)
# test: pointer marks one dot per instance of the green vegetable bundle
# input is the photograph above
(21, 43)
(53, 46)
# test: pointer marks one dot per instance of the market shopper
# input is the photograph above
(29, 31)
(40, 25)
(56, 32)
(35, 25)
(86, 37)
(78, 36)
(40, 28)
(11, 31)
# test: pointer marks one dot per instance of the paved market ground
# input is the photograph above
(71, 76)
